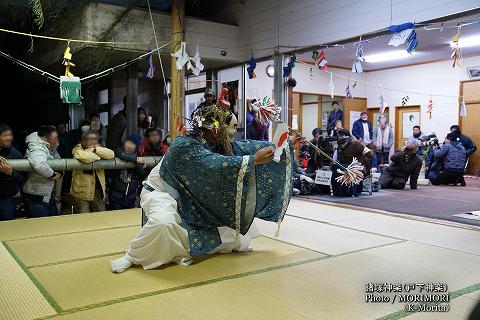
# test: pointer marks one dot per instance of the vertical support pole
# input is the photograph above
(132, 99)
(177, 87)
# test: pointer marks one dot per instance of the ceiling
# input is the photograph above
(432, 46)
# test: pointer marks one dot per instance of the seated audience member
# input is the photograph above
(38, 190)
(10, 180)
(338, 126)
(88, 186)
(453, 156)
(467, 143)
(310, 152)
(362, 129)
(123, 184)
(405, 164)
(349, 148)
(383, 140)
(151, 145)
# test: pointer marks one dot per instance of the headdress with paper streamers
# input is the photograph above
(266, 110)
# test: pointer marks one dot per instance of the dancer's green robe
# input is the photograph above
(213, 190)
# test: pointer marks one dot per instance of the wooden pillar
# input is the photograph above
(132, 99)
(177, 87)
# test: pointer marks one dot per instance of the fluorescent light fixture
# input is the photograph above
(387, 56)
(467, 42)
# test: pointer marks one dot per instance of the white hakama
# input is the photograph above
(162, 239)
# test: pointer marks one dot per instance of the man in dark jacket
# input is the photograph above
(117, 127)
(454, 157)
(335, 115)
(466, 142)
(10, 180)
(405, 164)
(363, 129)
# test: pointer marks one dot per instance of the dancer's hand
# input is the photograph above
(264, 155)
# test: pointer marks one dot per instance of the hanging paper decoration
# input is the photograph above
(67, 61)
(320, 61)
(315, 55)
(348, 93)
(430, 108)
(287, 70)
(382, 102)
(252, 64)
(151, 67)
(463, 108)
(331, 87)
(266, 110)
(353, 175)
(70, 86)
(357, 63)
(456, 50)
(405, 100)
(311, 73)
(404, 33)
(194, 64)
(354, 85)
(181, 56)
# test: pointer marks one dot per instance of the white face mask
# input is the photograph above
(85, 128)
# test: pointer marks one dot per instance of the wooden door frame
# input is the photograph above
(460, 91)
(397, 117)
(371, 111)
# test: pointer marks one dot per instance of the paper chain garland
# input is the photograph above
(331, 87)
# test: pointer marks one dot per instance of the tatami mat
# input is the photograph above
(121, 218)
(19, 297)
(318, 236)
(322, 212)
(218, 301)
(53, 249)
(87, 282)
(431, 233)
(335, 288)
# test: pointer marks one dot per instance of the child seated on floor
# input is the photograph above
(123, 184)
